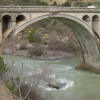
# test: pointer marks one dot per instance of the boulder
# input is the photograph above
(56, 84)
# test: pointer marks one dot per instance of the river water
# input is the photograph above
(80, 85)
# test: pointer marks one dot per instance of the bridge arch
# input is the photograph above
(95, 17)
(95, 23)
(31, 21)
(6, 21)
(86, 18)
(81, 29)
(20, 19)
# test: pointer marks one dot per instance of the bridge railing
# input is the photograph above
(48, 8)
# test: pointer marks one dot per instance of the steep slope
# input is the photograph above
(39, 2)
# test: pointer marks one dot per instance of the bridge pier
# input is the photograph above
(13, 24)
(11, 28)
(90, 24)
(90, 65)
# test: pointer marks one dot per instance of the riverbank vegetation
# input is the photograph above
(31, 36)
(27, 87)
(66, 3)
(3, 68)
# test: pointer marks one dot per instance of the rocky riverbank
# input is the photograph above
(36, 52)
(22, 47)
(49, 39)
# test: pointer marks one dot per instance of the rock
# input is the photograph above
(23, 46)
(29, 45)
(7, 51)
(57, 85)
(18, 46)
(19, 37)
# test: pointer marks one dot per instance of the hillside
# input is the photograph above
(22, 2)
(43, 2)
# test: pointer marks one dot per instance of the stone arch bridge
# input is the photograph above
(84, 22)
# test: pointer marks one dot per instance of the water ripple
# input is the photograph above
(64, 68)
(67, 82)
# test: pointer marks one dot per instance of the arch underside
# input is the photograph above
(81, 30)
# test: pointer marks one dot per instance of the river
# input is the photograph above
(80, 85)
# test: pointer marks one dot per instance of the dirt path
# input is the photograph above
(5, 93)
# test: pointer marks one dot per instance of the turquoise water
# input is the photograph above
(80, 85)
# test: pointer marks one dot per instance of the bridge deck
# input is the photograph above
(48, 9)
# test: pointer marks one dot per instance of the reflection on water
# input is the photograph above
(80, 85)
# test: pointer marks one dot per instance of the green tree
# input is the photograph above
(31, 36)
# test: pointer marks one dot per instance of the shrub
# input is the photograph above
(10, 85)
(45, 42)
(54, 4)
(54, 22)
(23, 47)
(89, 3)
(31, 36)
(25, 86)
(35, 94)
(35, 51)
(43, 3)
(2, 66)
(66, 4)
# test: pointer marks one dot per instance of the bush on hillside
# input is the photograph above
(54, 4)
(43, 4)
(66, 4)
(2, 66)
(89, 3)
(23, 46)
(35, 51)
(10, 85)
(31, 36)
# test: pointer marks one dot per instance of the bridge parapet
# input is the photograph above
(48, 9)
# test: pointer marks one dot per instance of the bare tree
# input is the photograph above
(27, 85)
